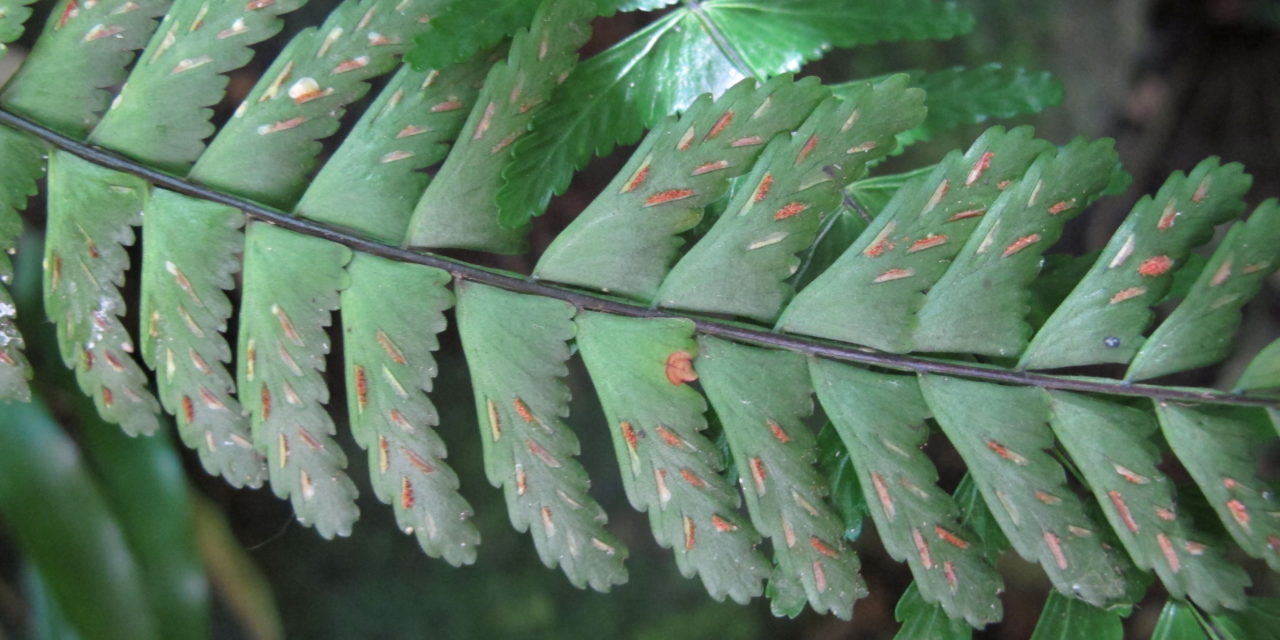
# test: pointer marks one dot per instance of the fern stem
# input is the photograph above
(595, 302)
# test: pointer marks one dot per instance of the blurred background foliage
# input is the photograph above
(106, 536)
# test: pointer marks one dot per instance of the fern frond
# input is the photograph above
(1263, 371)
(919, 619)
(1065, 618)
(24, 166)
(516, 347)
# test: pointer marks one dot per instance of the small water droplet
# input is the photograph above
(1111, 342)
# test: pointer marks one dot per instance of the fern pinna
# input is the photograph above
(918, 311)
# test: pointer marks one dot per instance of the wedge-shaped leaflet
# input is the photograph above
(459, 208)
(695, 49)
(406, 129)
(291, 287)
(1218, 448)
(1103, 318)
(625, 240)
(1263, 371)
(1065, 618)
(183, 315)
(161, 114)
(516, 347)
(920, 619)
(1002, 434)
(762, 397)
(23, 165)
(266, 151)
(881, 419)
(961, 96)
(641, 369)
(1200, 331)
(82, 52)
(980, 304)
(13, 18)
(1110, 446)
(741, 266)
(391, 314)
(85, 261)
(871, 294)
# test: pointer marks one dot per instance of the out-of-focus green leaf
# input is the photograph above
(1178, 622)
(923, 621)
(1263, 371)
(1260, 618)
(1066, 618)
(842, 481)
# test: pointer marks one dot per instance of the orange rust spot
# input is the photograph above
(308, 439)
(92, 248)
(938, 193)
(1003, 184)
(790, 209)
(928, 242)
(255, 5)
(1220, 276)
(522, 410)
(1061, 206)
(390, 347)
(808, 148)
(448, 105)
(819, 576)
(708, 167)
(747, 141)
(537, 450)
(1055, 548)
(670, 195)
(1167, 218)
(1170, 554)
(979, 168)
(949, 571)
(719, 126)
(951, 538)
(971, 213)
(359, 62)
(1197, 549)
(55, 271)
(1273, 542)
(762, 189)
(822, 547)
(266, 403)
(399, 420)
(758, 474)
(1239, 512)
(362, 388)
(1047, 498)
(87, 359)
(778, 433)
(1154, 266)
(417, 461)
(506, 141)
(668, 437)
(188, 409)
(547, 523)
(893, 274)
(1020, 244)
(690, 533)
(638, 179)
(384, 454)
(210, 400)
(406, 493)
(1123, 509)
(107, 398)
(692, 478)
(522, 480)
(7, 359)
(283, 125)
(1201, 191)
(1165, 514)
(922, 548)
(881, 243)
(629, 434)
(882, 492)
(721, 524)
(1126, 294)
(1006, 453)
(411, 130)
(68, 12)
(1079, 532)
(679, 368)
(1229, 482)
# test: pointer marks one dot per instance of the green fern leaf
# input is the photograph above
(1200, 331)
(640, 368)
(86, 260)
(870, 295)
(282, 344)
(457, 209)
(1218, 450)
(1103, 318)
(1263, 371)
(740, 267)
(964, 312)
(183, 312)
(1178, 621)
(516, 350)
(962, 96)
(920, 619)
(197, 42)
(13, 19)
(23, 165)
(83, 51)
(881, 420)
(1066, 618)
(1002, 433)
(390, 315)
(625, 240)
(761, 397)
(406, 129)
(267, 149)
(1109, 444)
(776, 36)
